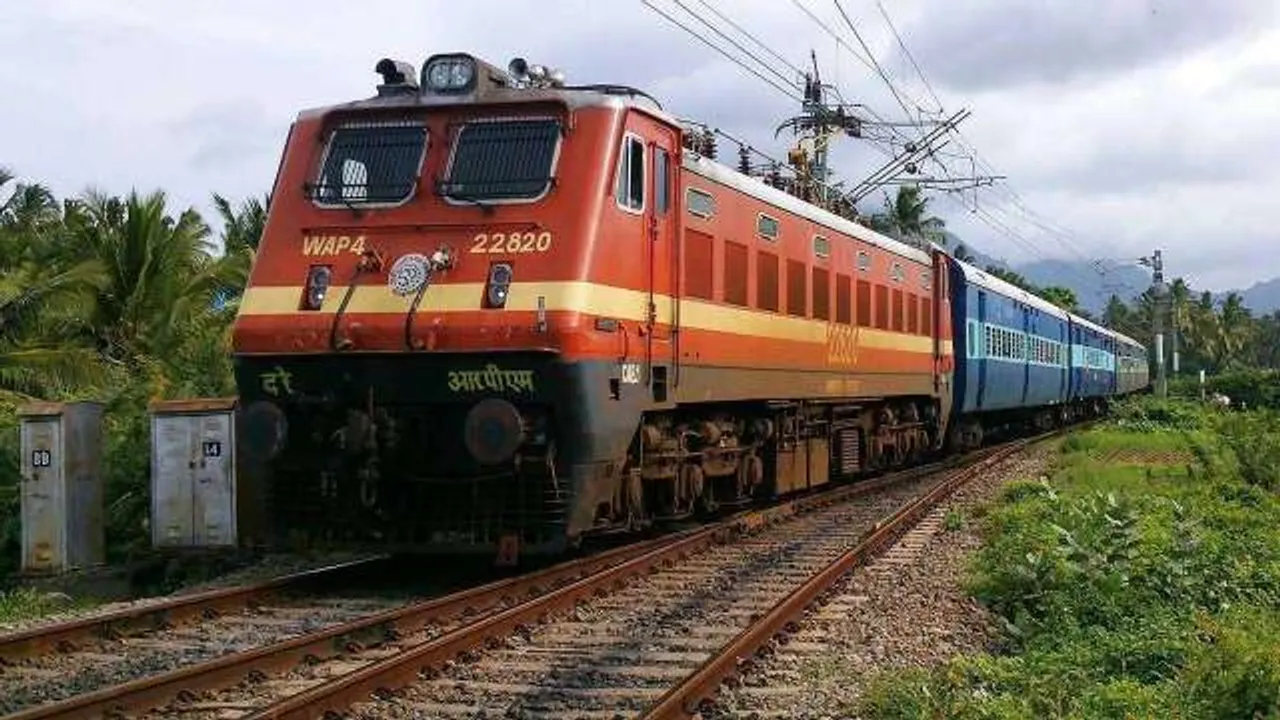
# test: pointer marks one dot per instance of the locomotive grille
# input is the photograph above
(848, 450)
(502, 159)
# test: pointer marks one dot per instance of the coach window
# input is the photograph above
(767, 227)
(661, 180)
(630, 190)
(699, 203)
(821, 246)
(864, 261)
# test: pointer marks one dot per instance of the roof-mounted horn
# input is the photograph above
(398, 77)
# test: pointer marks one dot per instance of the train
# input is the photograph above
(495, 312)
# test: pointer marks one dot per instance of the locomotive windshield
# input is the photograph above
(502, 160)
(371, 163)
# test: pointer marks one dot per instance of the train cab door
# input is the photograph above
(662, 216)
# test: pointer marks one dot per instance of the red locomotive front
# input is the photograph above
(490, 310)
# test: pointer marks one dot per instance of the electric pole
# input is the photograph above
(1160, 297)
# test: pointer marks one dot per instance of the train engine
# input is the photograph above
(477, 322)
(430, 337)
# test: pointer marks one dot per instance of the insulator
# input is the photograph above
(744, 160)
(709, 144)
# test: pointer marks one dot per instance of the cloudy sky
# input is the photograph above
(1122, 125)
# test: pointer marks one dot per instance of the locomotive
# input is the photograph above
(493, 312)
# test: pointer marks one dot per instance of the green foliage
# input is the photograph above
(1153, 415)
(1123, 592)
(119, 300)
(23, 603)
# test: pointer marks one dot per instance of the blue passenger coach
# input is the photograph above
(1093, 361)
(1012, 351)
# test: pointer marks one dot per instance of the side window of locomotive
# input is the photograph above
(370, 164)
(661, 180)
(630, 186)
(503, 160)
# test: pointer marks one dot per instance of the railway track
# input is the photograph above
(46, 663)
(603, 635)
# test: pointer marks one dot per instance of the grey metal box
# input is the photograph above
(193, 473)
(62, 498)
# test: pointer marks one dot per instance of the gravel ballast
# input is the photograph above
(907, 609)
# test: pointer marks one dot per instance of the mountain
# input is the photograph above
(1262, 297)
(1094, 282)
(1092, 287)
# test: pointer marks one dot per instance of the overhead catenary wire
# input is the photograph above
(1004, 216)
(791, 94)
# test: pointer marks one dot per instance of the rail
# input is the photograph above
(169, 612)
(690, 696)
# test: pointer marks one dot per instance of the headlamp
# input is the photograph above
(499, 285)
(449, 73)
(318, 280)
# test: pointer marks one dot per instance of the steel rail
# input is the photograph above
(696, 690)
(377, 628)
(64, 636)
(380, 677)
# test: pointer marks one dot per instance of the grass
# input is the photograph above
(1125, 592)
(24, 603)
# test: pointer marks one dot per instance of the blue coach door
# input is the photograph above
(984, 362)
(1028, 328)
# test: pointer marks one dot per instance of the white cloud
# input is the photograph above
(1132, 130)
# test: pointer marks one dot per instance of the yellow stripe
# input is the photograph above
(603, 300)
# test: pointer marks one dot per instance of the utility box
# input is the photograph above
(193, 474)
(61, 494)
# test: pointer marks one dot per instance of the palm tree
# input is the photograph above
(1063, 297)
(46, 289)
(1235, 329)
(906, 218)
(160, 271)
(241, 232)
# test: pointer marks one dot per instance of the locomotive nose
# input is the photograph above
(493, 431)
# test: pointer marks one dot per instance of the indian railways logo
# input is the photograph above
(842, 344)
(313, 245)
(493, 379)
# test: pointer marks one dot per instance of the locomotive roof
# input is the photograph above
(987, 280)
(606, 96)
(756, 188)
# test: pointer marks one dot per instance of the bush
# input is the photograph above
(1125, 593)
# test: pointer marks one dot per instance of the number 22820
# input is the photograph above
(511, 243)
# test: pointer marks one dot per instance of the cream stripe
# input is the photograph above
(595, 299)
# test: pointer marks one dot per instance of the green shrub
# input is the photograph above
(1122, 593)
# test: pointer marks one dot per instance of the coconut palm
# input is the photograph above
(906, 218)
(46, 291)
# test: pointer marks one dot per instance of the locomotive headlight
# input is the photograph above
(318, 280)
(449, 73)
(499, 285)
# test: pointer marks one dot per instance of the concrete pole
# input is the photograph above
(1161, 296)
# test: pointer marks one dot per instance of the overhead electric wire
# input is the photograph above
(752, 37)
(1004, 216)
(875, 64)
(736, 44)
(790, 94)
(902, 44)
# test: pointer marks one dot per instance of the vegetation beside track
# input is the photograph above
(1141, 580)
